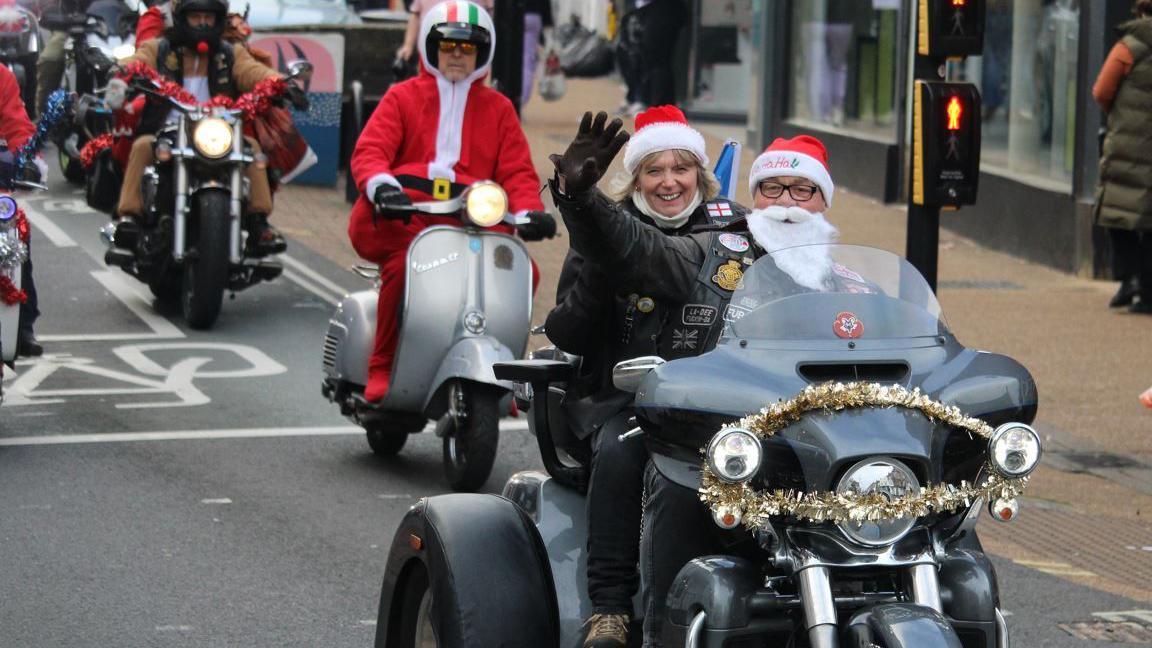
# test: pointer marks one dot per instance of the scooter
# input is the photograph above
(14, 232)
(20, 45)
(467, 305)
(844, 442)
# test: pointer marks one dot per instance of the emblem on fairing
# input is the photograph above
(848, 326)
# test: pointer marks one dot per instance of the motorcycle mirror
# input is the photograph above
(300, 69)
(628, 374)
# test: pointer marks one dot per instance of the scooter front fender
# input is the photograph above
(902, 625)
(471, 359)
(10, 323)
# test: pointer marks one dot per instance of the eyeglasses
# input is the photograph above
(799, 192)
(447, 46)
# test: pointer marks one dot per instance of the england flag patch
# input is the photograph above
(720, 210)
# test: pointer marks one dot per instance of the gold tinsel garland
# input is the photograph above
(755, 507)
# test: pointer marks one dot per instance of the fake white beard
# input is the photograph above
(662, 221)
(809, 266)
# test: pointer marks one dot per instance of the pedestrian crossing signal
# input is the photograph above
(945, 143)
(950, 28)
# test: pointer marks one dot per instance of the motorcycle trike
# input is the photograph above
(467, 305)
(840, 443)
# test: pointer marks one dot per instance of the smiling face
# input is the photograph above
(668, 181)
(455, 64)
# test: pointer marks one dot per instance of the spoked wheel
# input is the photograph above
(206, 273)
(471, 435)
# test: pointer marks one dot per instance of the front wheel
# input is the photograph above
(70, 168)
(470, 447)
(384, 441)
(206, 272)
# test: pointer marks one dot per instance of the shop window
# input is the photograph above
(1027, 79)
(843, 67)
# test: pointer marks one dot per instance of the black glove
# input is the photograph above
(590, 153)
(297, 97)
(540, 226)
(390, 202)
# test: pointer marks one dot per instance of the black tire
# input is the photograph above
(386, 441)
(206, 272)
(469, 452)
(473, 570)
(70, 168)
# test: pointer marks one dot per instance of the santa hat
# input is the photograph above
(803, 156)
(662, 128)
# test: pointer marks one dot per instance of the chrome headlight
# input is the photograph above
(888, 478)
(212, 138)
(734, 455)
(485, 203)
(1014, 450)
(123, 51)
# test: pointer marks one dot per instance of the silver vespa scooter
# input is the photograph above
(467, 305)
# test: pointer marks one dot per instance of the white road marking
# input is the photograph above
(314, 276)
(311, 287)
(367, 622)
(198, 435)
(394, 496)
(1144, 616)
(46, 227)
(1055, 568)
(217, 500)
(174, 628)
(117, 283)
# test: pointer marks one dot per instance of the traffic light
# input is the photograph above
(951, 28)
(945, 143)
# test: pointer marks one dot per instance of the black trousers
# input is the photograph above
(615, 500)
(663, 20)
(1132, 257)
(30, 309)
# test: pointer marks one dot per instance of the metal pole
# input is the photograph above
(923, 238)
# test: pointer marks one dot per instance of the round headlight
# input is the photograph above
(486, 203)
(1014, 449)
(123, 51)
(734, 455)
(7, 211)
(888, 478)
(212, 138)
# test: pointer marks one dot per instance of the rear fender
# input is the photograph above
(487, 572)
(900, 625)
(350, 338)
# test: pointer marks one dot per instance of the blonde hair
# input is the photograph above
(622, 186)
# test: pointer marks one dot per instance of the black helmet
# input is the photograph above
(191, 36)
(459, 21)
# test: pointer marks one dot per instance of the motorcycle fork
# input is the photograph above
(820, 605)
(234, 206)
(180, 213)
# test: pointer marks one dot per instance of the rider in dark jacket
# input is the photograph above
(668, 188)
(695, 276)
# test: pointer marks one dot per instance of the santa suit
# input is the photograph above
(431, 128)
(15, 127)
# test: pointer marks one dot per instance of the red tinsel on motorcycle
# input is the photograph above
(22, 226)
(10, 294)
(252, 104)
(93, 148)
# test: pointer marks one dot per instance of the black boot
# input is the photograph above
(263, 239)
(127, 233)
(27, 345)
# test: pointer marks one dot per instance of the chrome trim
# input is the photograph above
(180, 213)
(234, 247)
(862, 556)
(628, 374)
(695, 629)
(926, 586)
(634, 432)
(1002, 639)
(816, 596)
(1000, 432)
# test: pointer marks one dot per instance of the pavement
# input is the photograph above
(1087, 517)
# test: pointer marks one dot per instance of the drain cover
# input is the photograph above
(1118, 632)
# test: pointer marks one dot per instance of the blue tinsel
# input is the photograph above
(54, 111)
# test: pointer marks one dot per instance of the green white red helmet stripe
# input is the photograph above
(462, 12)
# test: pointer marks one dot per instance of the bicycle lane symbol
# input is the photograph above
(151, 378)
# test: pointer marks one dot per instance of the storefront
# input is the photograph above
(840, 69)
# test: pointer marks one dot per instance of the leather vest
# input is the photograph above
(170, 65)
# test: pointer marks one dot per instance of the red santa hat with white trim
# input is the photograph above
(662, 128)
(803, 156)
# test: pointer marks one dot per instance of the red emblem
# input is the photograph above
(847, 325)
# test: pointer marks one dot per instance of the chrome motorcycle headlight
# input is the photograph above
(212, 138)
(734, 455)
(485, 204)
(1014, 450)
(123, 51)
(888, 478)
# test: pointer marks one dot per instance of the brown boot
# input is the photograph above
(607, 631)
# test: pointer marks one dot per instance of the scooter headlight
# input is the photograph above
(212, 138)
(123, 51)
(1014, 450)
(734, 455)
(889, 479)
(485, 204)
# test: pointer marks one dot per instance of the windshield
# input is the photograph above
(831, 292)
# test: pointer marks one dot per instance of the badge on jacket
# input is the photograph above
(728, 276)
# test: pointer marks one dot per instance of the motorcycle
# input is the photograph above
(96, 39)
(14, 234)
(848, 503)
(467, 305)
(20, 45)
(190, 243)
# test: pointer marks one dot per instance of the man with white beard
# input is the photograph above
(791, 189)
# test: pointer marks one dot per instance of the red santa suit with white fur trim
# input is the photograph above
(431, 128)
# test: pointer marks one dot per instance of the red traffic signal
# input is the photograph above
(950, 28)
(945, 144)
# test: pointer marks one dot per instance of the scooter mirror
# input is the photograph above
(628, 374)
(300, 69)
